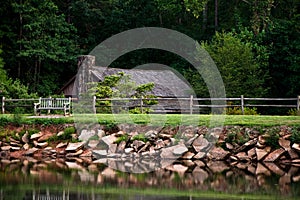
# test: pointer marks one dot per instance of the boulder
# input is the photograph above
(217, 153)
(200, 143)
(36, 136)
(260, 153)
(274, 155)
(75, 146)
(180, 149)
(285, 144)
(86, 134)
(25, 137)
(296, 147)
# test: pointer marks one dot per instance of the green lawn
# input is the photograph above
(158, 119)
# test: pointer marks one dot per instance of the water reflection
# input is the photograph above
(76, 179)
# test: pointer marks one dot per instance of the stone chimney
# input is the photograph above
(85, 64)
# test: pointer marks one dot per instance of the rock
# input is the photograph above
(286, 144)
(86, 154)
(15, 144)
(62, 144)
(251, 153)
(229, 146)
(101, 153)
(42, 144)
(199, 163)
(86, 134)
(101, 133)
(200, 155)
(217, 153)
(275, 155)
(296, 147)
(45, 137)
(242, 156)
(151, 134)
(159, 144)
(60, 133)
(180, 149)
(31, 151)
(6, 148)
(112, 148)
(74, 146)
(188, 155)
(26, 146)
(128, 150)
(121, 147)
(246, 146)
(25, 137)
(137, 144)
(200, 143)
(15, 148)
(110, 139)
(260, 153)
(77, 153)
(36, 135)
(93, 143)
(293, 154)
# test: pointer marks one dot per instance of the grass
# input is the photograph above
(161, 120)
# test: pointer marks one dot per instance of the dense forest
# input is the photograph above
(254, 43)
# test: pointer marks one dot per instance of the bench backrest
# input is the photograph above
(54, 102)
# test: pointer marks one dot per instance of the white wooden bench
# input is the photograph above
(53, 104)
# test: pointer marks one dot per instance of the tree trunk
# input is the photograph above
(204, 14)
(20, 37)
(216, 14)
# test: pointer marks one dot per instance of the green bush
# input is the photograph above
(140, 137)
(295, 137)
(122, 138)
(272, 138)
(294, 112)
(238, 111)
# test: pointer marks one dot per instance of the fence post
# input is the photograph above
(191, 104)
(3, 104)
(94, 104)
(298, 102)
(242, 104)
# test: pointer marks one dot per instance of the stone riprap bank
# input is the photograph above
(234, 144)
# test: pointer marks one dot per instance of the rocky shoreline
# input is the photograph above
(128, 143)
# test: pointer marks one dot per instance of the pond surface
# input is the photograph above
(79, 180)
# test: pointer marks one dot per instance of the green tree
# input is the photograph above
(236, 62)
(46, 39)
(122, 86)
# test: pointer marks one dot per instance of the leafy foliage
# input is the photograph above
(121, 86)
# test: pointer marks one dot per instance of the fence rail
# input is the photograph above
(171, 105)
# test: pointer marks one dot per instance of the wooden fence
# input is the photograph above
(189, 105)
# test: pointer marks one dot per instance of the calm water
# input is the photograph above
(76, 179)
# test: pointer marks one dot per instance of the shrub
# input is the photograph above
(140, 137)
(294, 112)
(295, 137)
(238, 111)
(272, 138)
(122, 138)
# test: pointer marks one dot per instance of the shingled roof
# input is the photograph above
(166, 82)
